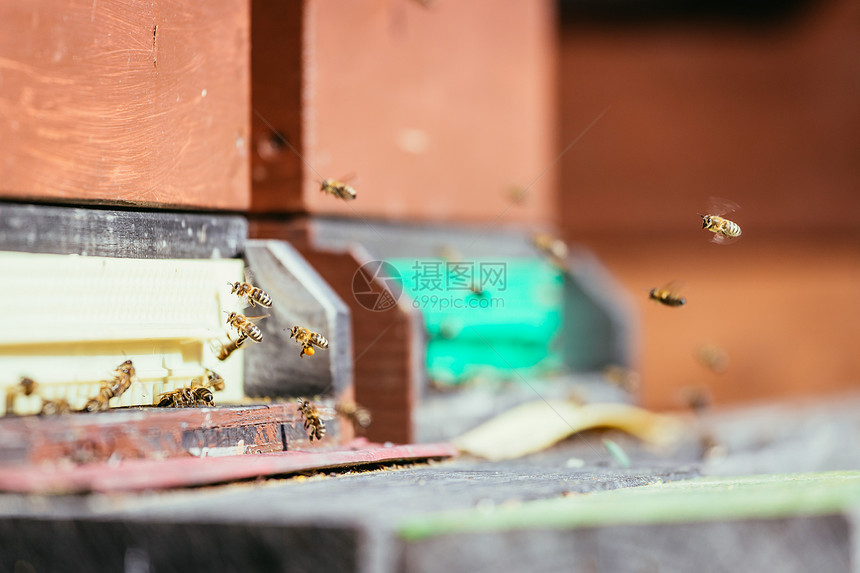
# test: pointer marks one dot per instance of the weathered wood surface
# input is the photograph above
(153, 433)
(136, 475)
(116, 102)
(119, 233)
(301, 297)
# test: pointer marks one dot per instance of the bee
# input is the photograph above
(355, 413)
(231, 347)
(696, 398)
(213, 381)
(54, 407)
(308, 340)
(314, 425)
(667, 295)
(245, 327)
(713, 358)
(725, 231)
(338, 189)
(556, 249)
(254, 295)
(625, 379)
(178, 398)
(113, 388)
(26, 387)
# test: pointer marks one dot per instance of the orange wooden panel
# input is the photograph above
(786, 310)
(767, 116)
(439, 111)
(115, 102)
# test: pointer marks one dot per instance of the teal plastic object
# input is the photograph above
(486, 317)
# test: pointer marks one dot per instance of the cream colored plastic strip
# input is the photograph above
(68, 322)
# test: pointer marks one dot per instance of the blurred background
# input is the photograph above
(755, 102)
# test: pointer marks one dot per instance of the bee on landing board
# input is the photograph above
(113, 388)
(253, 294)
(667, 295)
(314, 425)
(190, 396)
(338, 189)
(724, 231)
(54, 407)
(308, 340)
(245, 327)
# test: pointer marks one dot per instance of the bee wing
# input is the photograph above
(256, 318)
(349, 179)
(720, 206)
(674, 287)
(723, 240)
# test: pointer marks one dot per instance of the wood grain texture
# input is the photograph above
(116, 102)
(115, 233)
(151, 433)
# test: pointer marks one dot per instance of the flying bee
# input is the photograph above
(696, 398)
(556, 249)
(227, 349)
(113, 388)
(667, 295)
(214, 381)
(338, 189)
(308, 340)
(724, 231)
(713, 358)
(314, 425)
(253, 294)
(245, 327)
(355, 413)
(623, 378)
(54, 407)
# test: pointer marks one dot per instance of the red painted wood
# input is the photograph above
(137, 475)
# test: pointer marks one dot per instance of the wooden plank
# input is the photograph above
(278, 76)
(143, 103)
(277, 367)
(135, 475)
(150, 433)
(118, 233)
(425, 122)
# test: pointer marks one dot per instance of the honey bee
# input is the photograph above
(227, 349)
(725, 231)
(190, 396)
(314, 425)
(624, 378)
(26, 387)
(713, 358)
(308, 340)
(253, 294)
(176, 398)
(245, 327)
(556, 249)
(667, 295)
(356, 414)
(54, 407)
(113, 388)
(338, 189)
(214, 381)
(696, 398)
